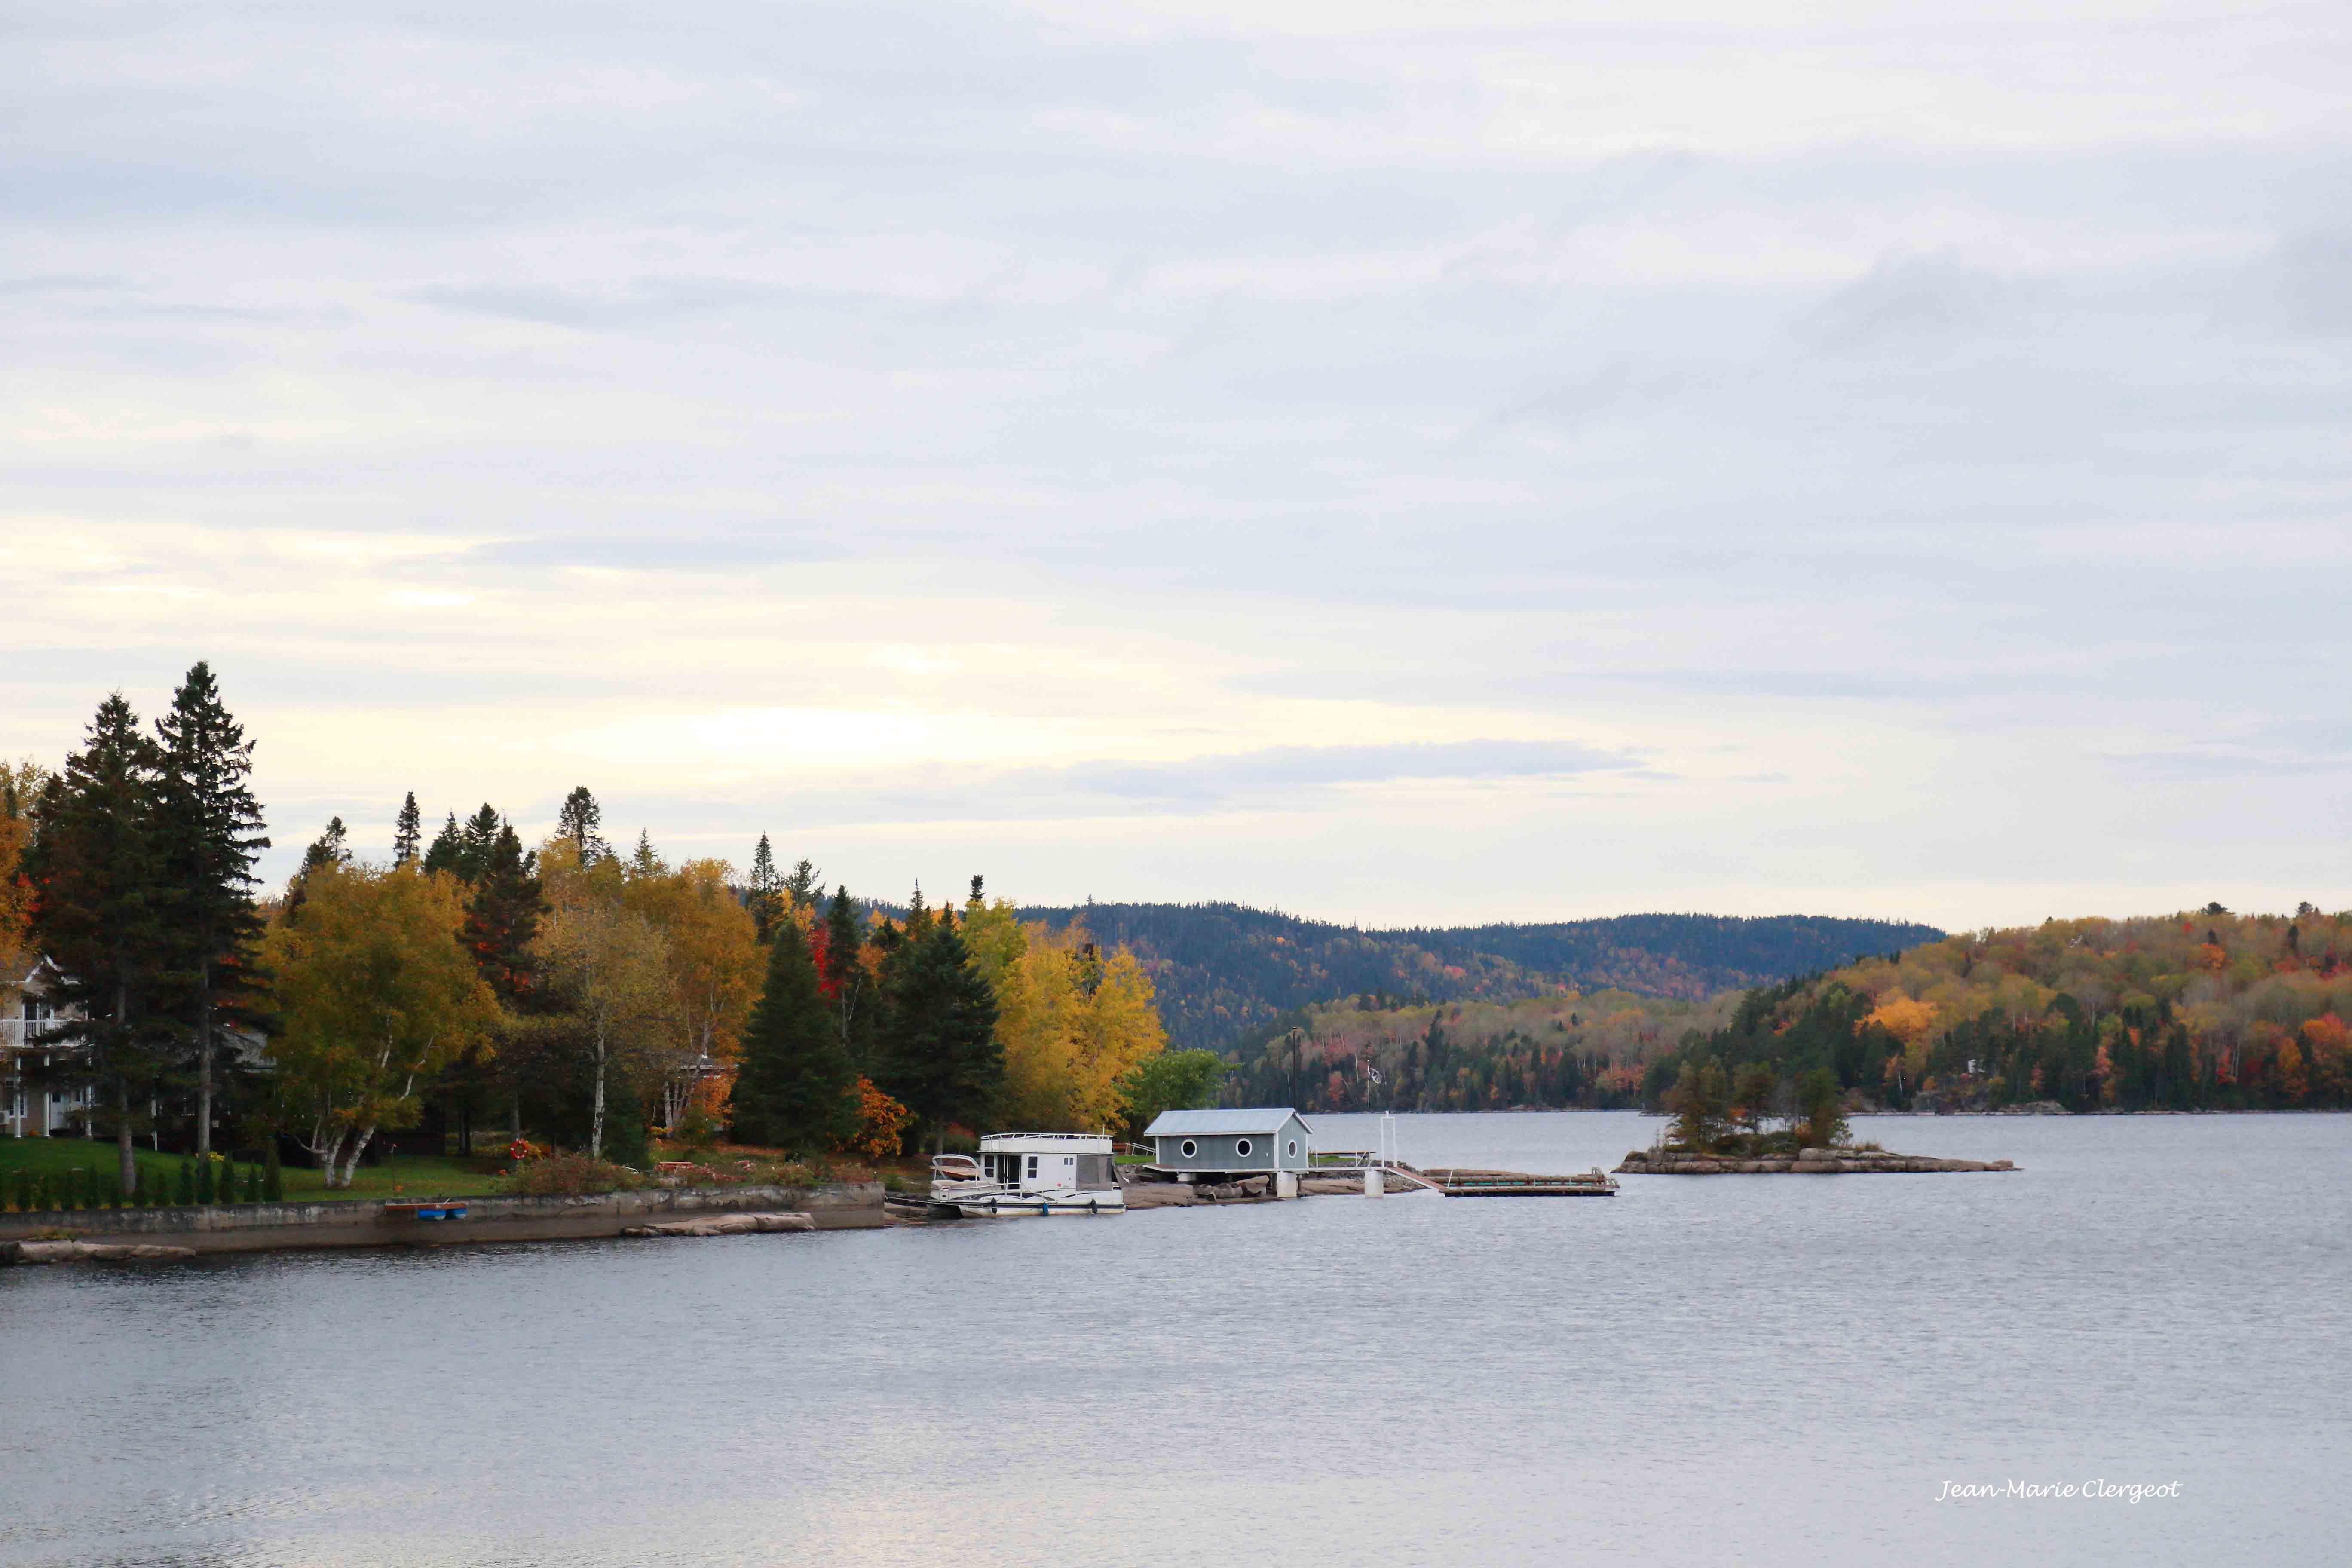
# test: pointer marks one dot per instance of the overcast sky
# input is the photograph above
(1394, 462)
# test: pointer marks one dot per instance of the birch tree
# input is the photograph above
(713, 964)
(376, 995)
(607, 967)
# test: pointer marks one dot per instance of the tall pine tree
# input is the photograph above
(448, 850)
(764, 894)
(501, 926)
(849, 984)
(578, 821)
(475, 840)
(940, 1056)
(502, 918)
(101, 893)
(407, 832)
(210, 831)
(793, 1087)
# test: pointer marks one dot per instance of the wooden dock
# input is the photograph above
(1455, 1182)
(1463, 1182)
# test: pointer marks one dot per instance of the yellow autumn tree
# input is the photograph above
(1117, 1030)
(1071, 1023)
(608, 969)
(1911, 1022)
(376, 995)
(713, 961)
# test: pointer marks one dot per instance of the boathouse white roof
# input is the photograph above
(1265, 1119)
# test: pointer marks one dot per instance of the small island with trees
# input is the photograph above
(1722, 1126)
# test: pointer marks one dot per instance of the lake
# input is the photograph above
(1725, 1370)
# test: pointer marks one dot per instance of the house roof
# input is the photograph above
(1215, 1123)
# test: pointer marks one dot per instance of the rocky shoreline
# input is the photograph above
(1805, 1163)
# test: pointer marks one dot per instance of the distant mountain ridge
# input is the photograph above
(1223, 970)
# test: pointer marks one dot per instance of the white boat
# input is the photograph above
(1020, 1174)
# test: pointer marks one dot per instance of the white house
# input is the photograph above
(28, 1110)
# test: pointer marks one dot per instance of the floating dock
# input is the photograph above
(1463, 1181)
(1458, 1183)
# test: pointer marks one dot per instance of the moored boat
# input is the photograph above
(1022, 1173)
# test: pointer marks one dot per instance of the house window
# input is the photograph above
(1188, 1148)
(1294, 1148)
(1242, 1147)
(1033, 1164)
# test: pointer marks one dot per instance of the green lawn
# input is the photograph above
(55, 1156)
(403, 1175)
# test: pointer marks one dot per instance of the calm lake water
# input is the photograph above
(1701, 1371)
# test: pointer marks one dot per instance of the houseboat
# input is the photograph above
(1029, 1173)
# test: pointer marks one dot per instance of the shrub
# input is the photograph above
(187, 1193)
(698, 1129)
(570, 1176)
(273, 1174)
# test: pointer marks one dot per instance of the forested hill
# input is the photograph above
(1225, 969)
(2202, 1010)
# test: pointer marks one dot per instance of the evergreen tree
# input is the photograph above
(849, 984)
(793, 1087)
(448, 851)
(476, 841)
(210, 836)
(407, 832)
(805, 885)
(101, 895)
(502, 925)
(763, 893)
(625, 1141)
(331, 847)
(644, 862)
(578, 821)
(502, 917)
(273, 1172)
(940, 1056)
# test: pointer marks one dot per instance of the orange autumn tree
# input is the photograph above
(882, 1122)
(20, 785)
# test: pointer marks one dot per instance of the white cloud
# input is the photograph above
(1108, 446)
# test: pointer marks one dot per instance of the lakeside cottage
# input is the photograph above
(1258, 1141)
(31, 1106)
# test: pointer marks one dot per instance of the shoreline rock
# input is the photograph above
(29, 1252)
(727, 1225)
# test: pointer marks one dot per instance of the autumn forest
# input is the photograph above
(475, 989)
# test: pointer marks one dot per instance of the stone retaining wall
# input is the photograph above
(254, 1227)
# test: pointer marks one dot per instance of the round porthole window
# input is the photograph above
(1241, 1146)
(1188, 1148)
(1294, 1148)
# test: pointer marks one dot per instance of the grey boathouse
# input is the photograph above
(1244, 1142)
